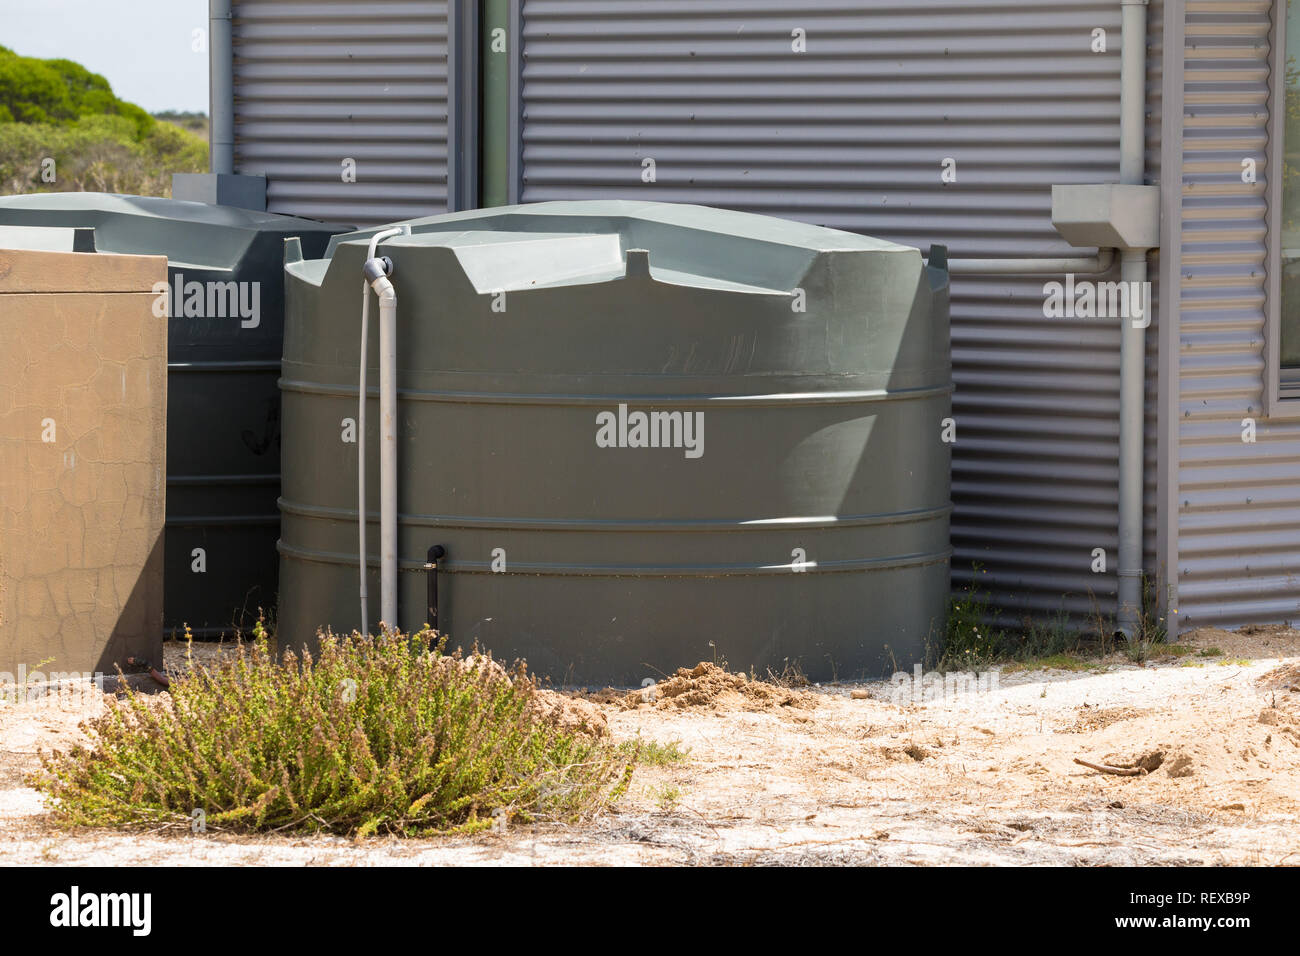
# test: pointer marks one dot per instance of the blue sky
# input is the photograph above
(143, 47)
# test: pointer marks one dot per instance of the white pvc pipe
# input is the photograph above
(1132, 402)
(387, 451)
(1078, 265)
(1133, 92)
(361, 433)
(1132, 353)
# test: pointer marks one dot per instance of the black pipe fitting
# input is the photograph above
(436, 553)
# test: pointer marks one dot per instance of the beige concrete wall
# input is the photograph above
(83, 407)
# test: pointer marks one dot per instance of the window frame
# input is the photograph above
(1281, 386)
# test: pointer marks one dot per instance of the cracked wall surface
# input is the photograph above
(83, 406)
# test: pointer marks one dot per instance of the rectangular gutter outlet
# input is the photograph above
(1107, 215)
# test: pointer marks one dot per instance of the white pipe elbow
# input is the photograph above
(385, 291)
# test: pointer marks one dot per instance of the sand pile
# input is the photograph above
(709, 686)
(1246, 746)
(1089, 719)
(570, 714)
(1286, 677)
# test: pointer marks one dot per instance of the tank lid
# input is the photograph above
(158, 207)
(188, 233)
(623, 217)
(574, 243)
(514, 261)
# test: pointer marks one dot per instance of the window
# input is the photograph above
(1290, 328)
(1284, 155)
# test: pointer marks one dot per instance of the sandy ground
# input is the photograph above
(866, 773)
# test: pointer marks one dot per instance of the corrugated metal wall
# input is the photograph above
(321, 81)
(851, 134)
(1239, 503)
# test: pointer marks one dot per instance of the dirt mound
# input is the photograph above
(1176, 762)
(1179, 764)
(1253, 629)
(912, 751)
(606, 695)
(1286, 677)
(1268, 741)
(1255, 642)
(570, 714)
(1284, 722)
(1089, 719)
(708, 686)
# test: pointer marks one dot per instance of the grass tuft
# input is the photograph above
(652, 753)
(970, 642)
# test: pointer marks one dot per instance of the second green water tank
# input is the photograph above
(225, 309)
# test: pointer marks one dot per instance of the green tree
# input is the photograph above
(58, 110)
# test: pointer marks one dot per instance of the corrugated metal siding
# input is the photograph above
(1239, 515)
(318, 81)
(851, 134)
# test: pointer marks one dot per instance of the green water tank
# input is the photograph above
(646, 435)
(226, 306)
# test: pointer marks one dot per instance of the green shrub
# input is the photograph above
(381, 734)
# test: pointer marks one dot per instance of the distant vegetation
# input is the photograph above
(194, 122)
(63, 130)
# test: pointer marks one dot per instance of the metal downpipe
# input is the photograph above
(221, 88)
(1132, 390)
